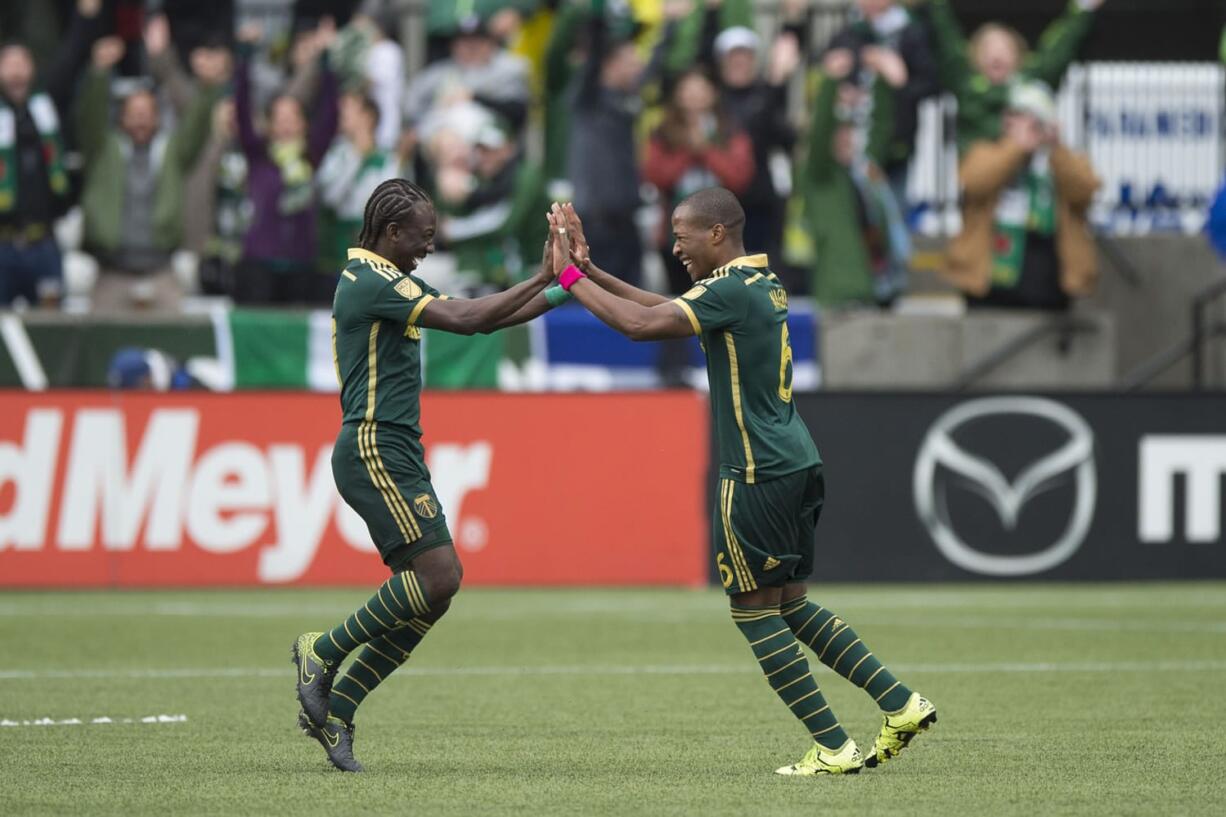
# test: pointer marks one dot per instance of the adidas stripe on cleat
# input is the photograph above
(820, 760)
(899, 728)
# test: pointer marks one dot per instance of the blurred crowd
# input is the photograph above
(228, 148)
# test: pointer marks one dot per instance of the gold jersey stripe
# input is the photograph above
(689, 313)
(336, 358)
(349, 275)
(417, 310)
(372, 369)
(735, 369)
(757, 276)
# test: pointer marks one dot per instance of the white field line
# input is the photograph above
(989, 668)
(95, 721)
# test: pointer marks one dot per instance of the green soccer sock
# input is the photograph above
(378, 659)
(784, 664)
(398, 600)
(838, 647)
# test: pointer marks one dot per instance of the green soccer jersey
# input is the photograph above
(740, 313)
(376, 343)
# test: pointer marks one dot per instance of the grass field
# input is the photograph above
(1074, 699)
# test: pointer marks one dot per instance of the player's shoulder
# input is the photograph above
(367, 275)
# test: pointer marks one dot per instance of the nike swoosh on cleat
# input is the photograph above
(328, 737)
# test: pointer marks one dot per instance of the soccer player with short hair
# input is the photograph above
(771, 483)
(378, 312)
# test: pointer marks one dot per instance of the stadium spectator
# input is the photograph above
(134, 181)
(860, 244)
(1025, 240)
(279, 250)
(478, 71)
(34, 181)
(373, 64)
(887, 42)
(757, 102)
(698, 145)
(564, 60)
(603, 154)
(351, 170)
(981, 73)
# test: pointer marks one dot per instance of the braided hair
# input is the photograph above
(391, 202)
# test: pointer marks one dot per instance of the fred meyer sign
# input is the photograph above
(132, 490)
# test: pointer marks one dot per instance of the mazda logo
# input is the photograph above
(1073, 461)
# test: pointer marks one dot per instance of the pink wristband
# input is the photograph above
(569, 276)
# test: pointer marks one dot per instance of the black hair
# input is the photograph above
(716, 205)
(391, 202)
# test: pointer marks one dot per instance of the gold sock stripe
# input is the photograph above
(770, 675)
(399, 622)
(801, 628)
(794, 605)
(752, 613)
(417, 599)
(358, 619)
(887, 692)
(769, 637)
(819, 630)
(369, 668)
(835, 665)
(752, 619)
(351, 677)
(830, 641)
(376, 479)
(382, 623)
(824, 731)
(794, 681)
(385, 655)
(776, 652)
(852, 674)
(734, 544)
(343, 695)
(419, 627)
(345, 624)
(802, 697)
(817, 711)
(871, 677)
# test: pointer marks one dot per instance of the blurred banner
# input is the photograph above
(1016, 486)
(137, 489)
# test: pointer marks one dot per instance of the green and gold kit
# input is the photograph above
(378, 461)
(770, 472)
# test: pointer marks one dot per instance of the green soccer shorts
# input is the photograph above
(763, 533)
(378, 476)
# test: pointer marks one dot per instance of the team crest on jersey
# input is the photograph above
(408, 288)
(425, 506)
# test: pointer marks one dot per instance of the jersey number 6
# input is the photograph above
(785, 366)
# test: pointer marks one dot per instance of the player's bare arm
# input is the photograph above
(540, 304)
(469, 316)
(634, 320)
(580, 254)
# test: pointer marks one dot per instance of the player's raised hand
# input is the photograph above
(580, 253)
(561, 241)
(107, 52)
(157, 35)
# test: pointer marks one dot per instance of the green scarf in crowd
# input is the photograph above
(1026, 206)
(296, 173)
(42, 110)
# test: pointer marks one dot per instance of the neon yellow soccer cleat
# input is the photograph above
(899, 728)
(820, 760)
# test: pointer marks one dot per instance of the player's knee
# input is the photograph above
(441, 585)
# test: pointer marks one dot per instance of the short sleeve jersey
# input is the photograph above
(376, 342)
(740, 313)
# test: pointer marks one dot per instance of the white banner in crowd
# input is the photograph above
(1153, 130)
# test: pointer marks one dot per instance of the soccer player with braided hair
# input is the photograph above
(378, 462)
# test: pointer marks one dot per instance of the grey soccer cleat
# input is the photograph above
(336, 737)
(315, 678)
